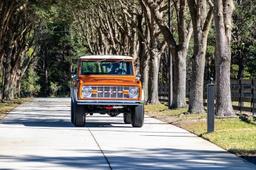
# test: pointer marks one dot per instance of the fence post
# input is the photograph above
(210, 108)
(240, 96)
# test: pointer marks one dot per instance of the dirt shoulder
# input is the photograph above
(7, 106)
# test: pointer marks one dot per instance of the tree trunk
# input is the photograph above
(18, 87)
(201, 25)
(223, 23)
(196, 102)
(154, 72)
(7, 77)
(46, 79)
(1, 77)
(145, 78)
(179, 80)
(8, 89)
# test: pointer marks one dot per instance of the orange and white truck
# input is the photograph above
(106, 84)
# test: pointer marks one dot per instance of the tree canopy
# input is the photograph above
(40, 39)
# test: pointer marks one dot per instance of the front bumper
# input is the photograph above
(109, 102)
(104, 102)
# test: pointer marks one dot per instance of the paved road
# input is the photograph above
(39, 135)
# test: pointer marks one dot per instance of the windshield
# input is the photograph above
(106, 67)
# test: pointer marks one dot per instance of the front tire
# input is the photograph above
(138, 116)
(79, 116)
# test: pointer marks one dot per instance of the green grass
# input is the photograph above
(162, 109)
(6, 107)
(231, 134)
(246, 104)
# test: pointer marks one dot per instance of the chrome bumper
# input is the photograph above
(108, 102)
(104, 102)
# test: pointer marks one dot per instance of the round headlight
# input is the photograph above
(86, 91)
(133, 92)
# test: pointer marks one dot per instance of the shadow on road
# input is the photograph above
(40, 122)
(104, 124)
(161, 158)
(93, 162)
(157, 157)
(48, 119)
(251, 158)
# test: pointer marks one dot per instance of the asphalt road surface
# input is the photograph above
(39, 136)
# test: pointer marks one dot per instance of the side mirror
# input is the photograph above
(138, 76)
(74, 76)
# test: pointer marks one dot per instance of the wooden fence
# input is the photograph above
(243, 95)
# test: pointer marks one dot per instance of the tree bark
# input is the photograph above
(154, 72)
(145, 79)
(7, 81)
(196, 102)
(201, 24)
(223, 10)
(179, 79)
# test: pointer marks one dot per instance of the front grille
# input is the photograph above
(110, 92)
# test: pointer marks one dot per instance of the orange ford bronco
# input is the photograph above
(106, 84)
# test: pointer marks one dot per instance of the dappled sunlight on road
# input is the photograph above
(40, 135)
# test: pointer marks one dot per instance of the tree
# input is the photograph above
(243, 36)
(201, 20)
(53, 64)
(156, 49)
(223, 10)
(16, 38)
(178, 47)
(127, 28)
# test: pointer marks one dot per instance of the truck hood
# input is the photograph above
(98, 80)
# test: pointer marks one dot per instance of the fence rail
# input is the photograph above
(243, 95)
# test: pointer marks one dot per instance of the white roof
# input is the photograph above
(115, 57)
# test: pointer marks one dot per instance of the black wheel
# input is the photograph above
(138, 116)
(72, 112)
(127, 118)
(79, 115)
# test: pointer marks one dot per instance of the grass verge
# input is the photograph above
(7, 106)
(232, 134)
